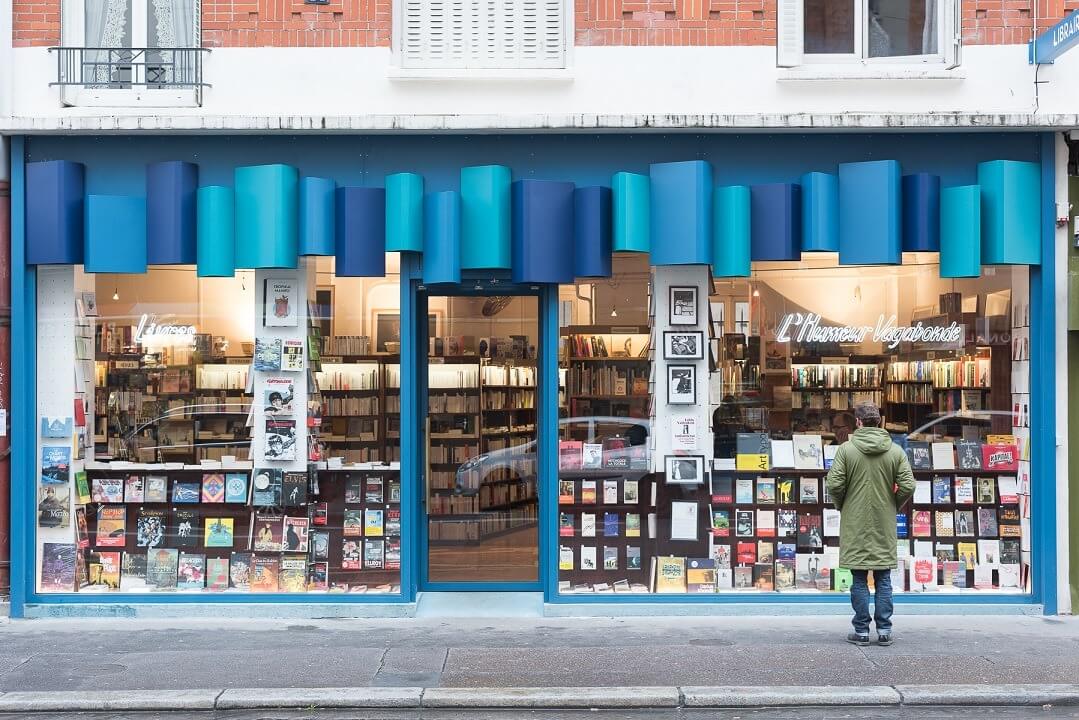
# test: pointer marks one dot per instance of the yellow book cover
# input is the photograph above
(967, 554)
(753, 463)
(671, 575)
(1000, 439)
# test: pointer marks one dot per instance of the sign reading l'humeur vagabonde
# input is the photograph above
(807, 327)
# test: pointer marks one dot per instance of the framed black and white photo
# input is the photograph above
(684, 469)
(683, 306)
(681, 385)
(678, 345)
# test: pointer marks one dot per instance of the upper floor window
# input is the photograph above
(868, 31)
(496, 34)
(146, 49)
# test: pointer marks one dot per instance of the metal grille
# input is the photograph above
(120, 68)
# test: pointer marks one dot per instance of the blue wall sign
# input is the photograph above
(1055, 41)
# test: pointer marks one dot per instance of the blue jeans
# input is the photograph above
(859, 600)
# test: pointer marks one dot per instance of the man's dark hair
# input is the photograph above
(868, 414)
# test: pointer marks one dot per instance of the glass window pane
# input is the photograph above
(902, 27)
(829, 26)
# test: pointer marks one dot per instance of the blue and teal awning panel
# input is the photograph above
(543, 231)
(115, 234)
(55, 196)
(317, 216)
(681, 214)
(870, 213)
(731, 238)
(961, 232)
(216, 232)
(775, 221)
(442, 237)
(820, 212)
(485, 218)
(170, 213)
(542, 237)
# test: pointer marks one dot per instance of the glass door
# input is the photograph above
(479, 413)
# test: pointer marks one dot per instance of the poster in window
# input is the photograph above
(683, 306)
(681, 385)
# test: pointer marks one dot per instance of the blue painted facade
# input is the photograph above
(117, 166)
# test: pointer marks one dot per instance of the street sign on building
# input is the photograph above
(1055, 41)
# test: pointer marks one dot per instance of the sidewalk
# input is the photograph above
(668, 662)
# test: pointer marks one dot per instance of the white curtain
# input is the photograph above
(171, 25)
(931, 30)
(105, 26)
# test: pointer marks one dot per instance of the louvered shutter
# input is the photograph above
(790, 33)
(497, 34)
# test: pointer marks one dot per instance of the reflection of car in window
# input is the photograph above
(620, 435)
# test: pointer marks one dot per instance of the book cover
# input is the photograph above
(987, 491)
(923, 492)
(743, 577)
(56, 427)
(279, 439)
(633, 525)
(219, 532)
(267, 533)
(292, 577)
(393, 553)
(670, 574)
(319, 540)
(831, 522)
(610, 557)
(918, 455)
(809, 490)
(766, 523)
(810, 535)
(111, 526)
(266, 487)
(700, 575)
(610, 492)
(267, 354)
(808, 452)
(292, 359)
(902, 529)
(264, 573)
(565, 492)
(373, 554)
(294, 489)
(1010, 552)
(743, 523)
(351, 554)
(1008, 575)
(588, 524)
(566, 524)
(942, 490)
(746, 553)
(943, 455)
(784, 574)
(786, 522)
(764, 576)
(352, 525)
(58, 567)
(1008, 489)
(784, 491)
(240, 570)
(280, 302)
(782, 454)
(185, 527)
(157, 489)
(235, 487)
(842, 579)
(565, 557)
(610, 525)
(394, 494)
(968, 454)
(217, 574)
(630, 492)
(53, 508)
(721, 523)
(983, 577)
(588, 492)
(588, 557)
(213, 488)
(922, 523)
(191, 571)
(945, 523)
(82, 488)
(987, 522)
(277, 396)
(766, 491)
(320, 514)
(184, 492)
(82, 531)
(56, 465)
(743, 491)
(786, 551)
(132, 571)
(923, 574)
(964, 490)
(592, 458)
(766, 551)
(807, 569)
(372, 523)
(570, 454)
(989, 553)
(161, 568)
(964, 523)
(1000, 458)
(722, 555)
(722, 489)
(107, 490)
(968, 554)
(353, 490)
(134, 489)
(372, 489)
(150, 528)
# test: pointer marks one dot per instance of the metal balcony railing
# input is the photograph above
(127, 68)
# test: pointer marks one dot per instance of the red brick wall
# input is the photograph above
(365, 23)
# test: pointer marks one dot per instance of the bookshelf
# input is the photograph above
(607, 370)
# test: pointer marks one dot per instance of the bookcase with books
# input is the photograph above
(353, 398)
(607, 370)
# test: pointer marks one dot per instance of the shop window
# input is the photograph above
(845, 31)
(220, 442)
(654, 500)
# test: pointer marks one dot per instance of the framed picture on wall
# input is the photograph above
(681, 385)
(683, 306)
(684, 469)
(680, 345)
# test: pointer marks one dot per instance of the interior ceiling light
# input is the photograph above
(116, 294)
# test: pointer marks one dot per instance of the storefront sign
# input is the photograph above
(807, 327)
(149, 330)
(1055, 41)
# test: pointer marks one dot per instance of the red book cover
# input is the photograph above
(570, 454)
(747, 553)
(80, 412)
(923, 523)
(1002, 458)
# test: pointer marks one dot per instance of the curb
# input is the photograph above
(540, 698)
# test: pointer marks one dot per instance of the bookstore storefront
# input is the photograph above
(609, 375)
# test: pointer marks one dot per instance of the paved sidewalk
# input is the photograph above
(122, 654)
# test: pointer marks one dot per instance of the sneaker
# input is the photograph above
(856, 639)
(884, 639)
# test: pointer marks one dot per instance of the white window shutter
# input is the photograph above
(951, 36)
(790, 23)
(496, 34)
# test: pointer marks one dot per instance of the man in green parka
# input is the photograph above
(869, 481)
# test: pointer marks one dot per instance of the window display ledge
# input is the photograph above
(336, 606)
(124, 465)
(573, 607)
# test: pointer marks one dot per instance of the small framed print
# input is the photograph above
(684, 469)
(683, 306)
(681, 385)
(679, 345)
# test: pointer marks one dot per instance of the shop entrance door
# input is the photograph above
(479, 409)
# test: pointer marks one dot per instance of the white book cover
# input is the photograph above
(588, 525)
(280, 303)
(593, 456)
(943, 456)
(923, 574)
(783, 453)
(588, 557)
(683, 521)
(1009, 575)
(989, 553)
(565, 557)
(1009, 491)
(831, 522)
(724, 579)
(808, 452)
(610, 492)
(923, 492)
(899, 576)
(923, 548)
(964, 490)
(652, 525)
(766, 523)
(983, 577)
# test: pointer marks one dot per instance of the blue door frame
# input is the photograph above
(415, 369)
